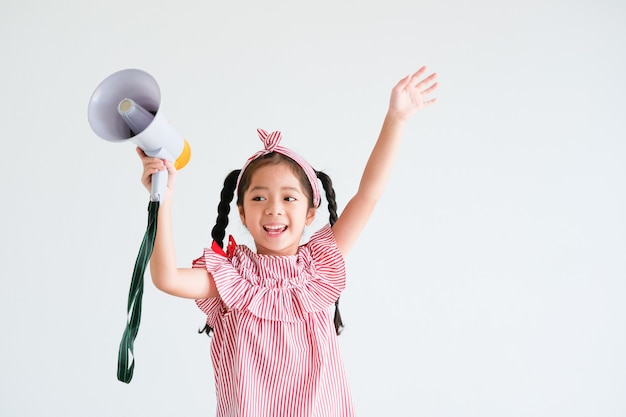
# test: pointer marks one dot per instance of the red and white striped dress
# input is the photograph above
(274, 348)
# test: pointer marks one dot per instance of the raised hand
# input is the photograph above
(412, 94)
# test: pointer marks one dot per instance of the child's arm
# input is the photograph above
(407, 97)
(195, 283)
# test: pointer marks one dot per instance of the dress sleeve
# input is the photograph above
(327, 259)
(212, 307)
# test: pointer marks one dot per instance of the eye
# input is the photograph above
(290, 199)
(258, 198)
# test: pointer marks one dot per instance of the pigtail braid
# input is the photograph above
(219, 230)
(332, 210)
(330, 196)
(223, 208)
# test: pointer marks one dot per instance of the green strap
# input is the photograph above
(126, 357)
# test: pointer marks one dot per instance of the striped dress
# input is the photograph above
(274, 348)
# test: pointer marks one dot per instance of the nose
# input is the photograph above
(274, 208)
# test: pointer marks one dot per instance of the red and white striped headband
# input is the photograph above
(271, 144)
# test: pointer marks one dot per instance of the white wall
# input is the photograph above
(491, 279)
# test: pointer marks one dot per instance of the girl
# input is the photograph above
(274, 348)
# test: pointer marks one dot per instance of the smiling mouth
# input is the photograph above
(275, 229)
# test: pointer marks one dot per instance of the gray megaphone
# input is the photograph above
(125, 107)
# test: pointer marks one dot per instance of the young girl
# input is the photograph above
(274, 347)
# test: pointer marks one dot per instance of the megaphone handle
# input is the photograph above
(159, 185)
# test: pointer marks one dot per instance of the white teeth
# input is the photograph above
(274, 228)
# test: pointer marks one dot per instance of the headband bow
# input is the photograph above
(270, 140)
(271, 144)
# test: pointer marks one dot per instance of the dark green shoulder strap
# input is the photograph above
(126, 357)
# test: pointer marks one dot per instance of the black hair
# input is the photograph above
(223, 208)
(230, 186)
(332, 211)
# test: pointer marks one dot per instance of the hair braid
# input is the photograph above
(332, 210)
(219, 230)
(330, 196)
(223, 208)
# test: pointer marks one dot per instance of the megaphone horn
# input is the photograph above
(126, 107)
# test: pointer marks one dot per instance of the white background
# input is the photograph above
(491, 278)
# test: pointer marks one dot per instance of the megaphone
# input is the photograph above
(125, 107)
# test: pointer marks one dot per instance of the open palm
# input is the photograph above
(412, 94)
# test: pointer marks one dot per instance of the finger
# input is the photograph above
(169, 166)
(417, 74)
(149, 162)
(430, 89)
(146, 177)
(429, 102)
(426, 80)
(144, 157)
(154, 166)
(403, 82)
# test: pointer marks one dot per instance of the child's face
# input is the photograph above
(275, 210)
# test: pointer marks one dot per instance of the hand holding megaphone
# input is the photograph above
(152, 168)
(126, 107)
